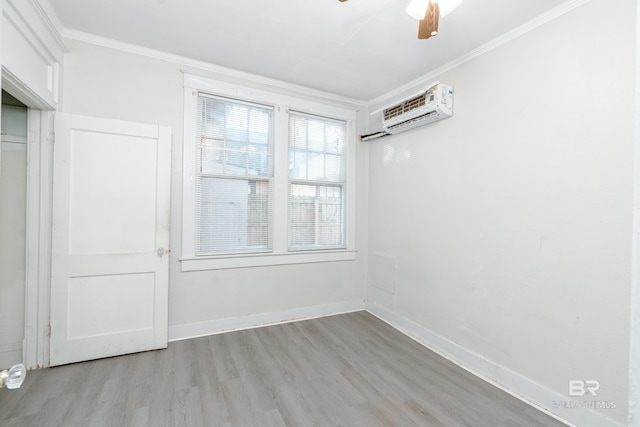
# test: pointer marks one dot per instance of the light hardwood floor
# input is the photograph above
(345, 370)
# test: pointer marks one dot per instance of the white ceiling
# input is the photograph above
(359, 49)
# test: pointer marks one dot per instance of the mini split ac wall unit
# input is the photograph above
(436, 103)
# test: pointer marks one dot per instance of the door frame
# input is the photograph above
(35, 348)
(40, 137)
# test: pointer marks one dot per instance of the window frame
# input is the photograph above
(227, 176)
(282, 102)
(307, 181)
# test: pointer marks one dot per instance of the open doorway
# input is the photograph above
(13, 229)
(25, 178)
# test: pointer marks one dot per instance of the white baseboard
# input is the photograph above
(211, 327)
(511, 382)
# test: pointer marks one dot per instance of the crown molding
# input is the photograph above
(37, 25)
(41, 19)
(207, 69)
(551, 14)
(47, 11)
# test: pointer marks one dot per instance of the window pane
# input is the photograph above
(302, 213)
(315, 163)
(237, 129)
(233, 215)
(333, 168)
(236, 158)
(210, 124)
(316, 216)
(297, 164)
(258, 160)
(211, 156)
(324, 145)
(237, 122)
(335, 138)
(298, 132)
(259, 127)
(316, 135)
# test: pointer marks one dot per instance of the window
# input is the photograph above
(234, 181)
(267, 178)
(316, 182)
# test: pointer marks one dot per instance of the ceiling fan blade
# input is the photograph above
(429, 24)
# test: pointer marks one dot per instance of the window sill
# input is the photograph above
(262, 260)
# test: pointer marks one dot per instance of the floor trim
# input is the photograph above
(217, 326)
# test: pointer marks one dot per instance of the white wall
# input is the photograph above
(110, 83)
(509, 225)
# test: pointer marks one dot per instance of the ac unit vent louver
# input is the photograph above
(436, 103)
(405, 107)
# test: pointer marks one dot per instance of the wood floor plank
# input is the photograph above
(346, 370)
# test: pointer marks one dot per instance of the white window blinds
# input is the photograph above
(234, 176)
(316, 182)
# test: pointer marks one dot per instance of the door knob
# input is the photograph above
(162, 251)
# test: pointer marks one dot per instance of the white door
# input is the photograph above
(109, 272)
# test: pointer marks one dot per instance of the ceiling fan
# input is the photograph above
(429, 13)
